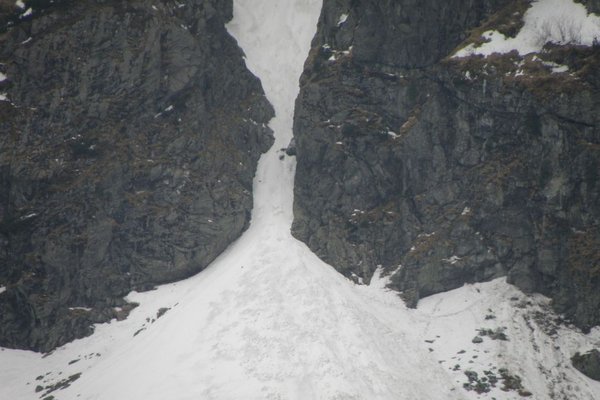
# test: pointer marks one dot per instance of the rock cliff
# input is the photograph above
(442, 170)
(130, 134)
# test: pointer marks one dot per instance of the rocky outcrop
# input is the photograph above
(593, 6)
(444, 171)
(130, 137)
(588, 363)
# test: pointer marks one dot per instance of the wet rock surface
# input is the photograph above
(128, 146)
(446, 171)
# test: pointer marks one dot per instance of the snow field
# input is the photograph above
(533, 352)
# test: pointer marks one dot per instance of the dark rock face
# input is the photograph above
(448, 171)
(127, 152)
(405, 34)
(593, 6)
(588, 364)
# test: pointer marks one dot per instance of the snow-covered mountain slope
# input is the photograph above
(269, 320)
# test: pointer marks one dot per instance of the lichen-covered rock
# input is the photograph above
(127, 150)
(445, 171)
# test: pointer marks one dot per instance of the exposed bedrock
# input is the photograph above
(445, 171)
(127, 152)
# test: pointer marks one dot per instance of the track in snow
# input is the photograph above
(268, 319)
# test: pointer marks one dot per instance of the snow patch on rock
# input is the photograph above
(561, 22)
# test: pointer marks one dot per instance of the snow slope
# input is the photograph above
(269, 320)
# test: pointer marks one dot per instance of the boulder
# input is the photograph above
(588, 364)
